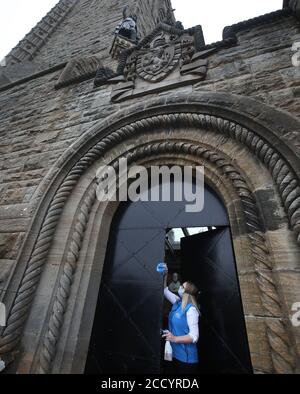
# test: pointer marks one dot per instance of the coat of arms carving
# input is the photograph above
(163, 55)
(168, 57)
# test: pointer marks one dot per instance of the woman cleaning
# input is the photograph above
(183, 331)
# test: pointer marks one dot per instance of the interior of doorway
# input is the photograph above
(131, 290)
(173, 259)
(204, 256)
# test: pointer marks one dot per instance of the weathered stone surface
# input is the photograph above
(88, 29)
(36, 38)
(5, 269)
(260, 354)
(79, 70)
(260, 66)
(294, 5)
(18, 71)
(43, 129)
(7, 245)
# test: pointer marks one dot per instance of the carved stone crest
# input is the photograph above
(154, 64)
(167, 58)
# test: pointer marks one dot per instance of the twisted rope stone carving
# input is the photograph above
(282, 356)
(66, 281)
(283, 360)
(285, 179)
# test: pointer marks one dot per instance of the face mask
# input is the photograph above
(181, 291)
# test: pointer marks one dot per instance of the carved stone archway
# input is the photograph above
(264, 144)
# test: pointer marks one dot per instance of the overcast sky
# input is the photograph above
(17, 17)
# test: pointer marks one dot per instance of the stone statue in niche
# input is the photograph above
(175, 284)
(128, 27)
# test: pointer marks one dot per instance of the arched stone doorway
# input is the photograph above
(249, 162)
(129, 316)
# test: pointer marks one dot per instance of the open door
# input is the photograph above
(126, 334)
(126, 331)
(208, 261)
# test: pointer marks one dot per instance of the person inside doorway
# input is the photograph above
(174, 286)
(183, 333)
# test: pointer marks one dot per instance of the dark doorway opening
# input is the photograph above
(205, 257)
(126, 336)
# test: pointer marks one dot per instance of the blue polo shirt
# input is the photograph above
(178, 326)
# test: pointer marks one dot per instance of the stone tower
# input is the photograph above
(76, 94)
(75, 28)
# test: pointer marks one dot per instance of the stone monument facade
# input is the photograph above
(74, 94)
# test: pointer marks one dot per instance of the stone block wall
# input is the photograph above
(89, 29)
(260, 65)
(158, 10)
(38, 123)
